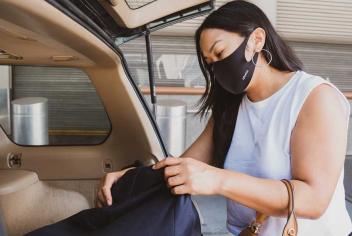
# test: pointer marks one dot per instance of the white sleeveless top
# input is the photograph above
(261, 147)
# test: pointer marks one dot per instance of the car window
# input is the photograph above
(51, 106)
(175, 64)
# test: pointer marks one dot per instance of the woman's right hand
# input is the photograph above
(104, 197)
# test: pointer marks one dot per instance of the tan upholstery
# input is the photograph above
(38, 205)
(12, 181)
(62, 180)
(28, 203)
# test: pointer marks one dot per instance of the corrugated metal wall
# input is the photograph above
(331, 61)
(315, 20)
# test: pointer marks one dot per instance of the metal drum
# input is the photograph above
(170, 116)
(29, 117)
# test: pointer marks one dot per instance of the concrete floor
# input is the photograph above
(213, 214)
(349, 208)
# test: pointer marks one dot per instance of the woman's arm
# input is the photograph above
(318, 147)
(202, 148)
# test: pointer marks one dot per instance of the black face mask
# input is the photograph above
(234, 72)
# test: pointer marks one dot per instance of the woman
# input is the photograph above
(270, 120)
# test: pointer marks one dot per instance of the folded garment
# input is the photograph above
(142, 205)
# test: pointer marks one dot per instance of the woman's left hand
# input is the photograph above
(189, 176)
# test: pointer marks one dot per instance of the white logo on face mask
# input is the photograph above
(245, 74)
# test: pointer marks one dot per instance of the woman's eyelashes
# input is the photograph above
(219, 54)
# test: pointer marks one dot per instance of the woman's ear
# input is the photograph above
(255, 43)
(259, 36)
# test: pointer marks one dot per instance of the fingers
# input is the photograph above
(110, 179)
(180, 189)
(172, 171)
(173, 174)
(175, 180)
(98, 203)
(167, 162)
(104, 194)
(99, 200)
(106, 190)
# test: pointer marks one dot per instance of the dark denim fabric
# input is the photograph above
(142, 205)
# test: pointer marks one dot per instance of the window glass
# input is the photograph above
(51, 106)
(174, 59)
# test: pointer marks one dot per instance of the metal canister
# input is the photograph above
(29, 118)
(170, 116)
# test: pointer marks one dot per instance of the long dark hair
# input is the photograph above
(240, 17)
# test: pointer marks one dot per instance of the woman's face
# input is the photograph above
(216, 44)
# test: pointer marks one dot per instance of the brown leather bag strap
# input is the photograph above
(290, 190)
(260, 217)
(291, 226)
(254, 227)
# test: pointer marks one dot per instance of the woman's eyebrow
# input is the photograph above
(212, 47)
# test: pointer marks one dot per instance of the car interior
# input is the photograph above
(40, 185)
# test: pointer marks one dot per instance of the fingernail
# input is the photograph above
(153, 167)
